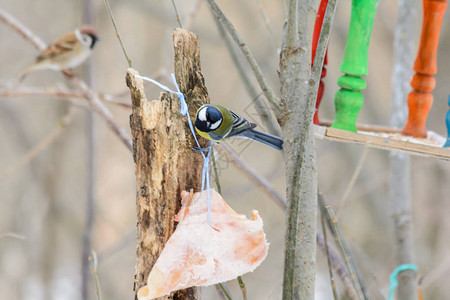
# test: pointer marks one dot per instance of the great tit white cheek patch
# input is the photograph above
(215, 125)
(200, 254)
(202, 114)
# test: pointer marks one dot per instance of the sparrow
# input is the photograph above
(67, 52)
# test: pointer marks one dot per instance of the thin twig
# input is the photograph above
(339, 267)
(268, 92)
(12, 235)
(261, 107)
(436, 273)
(110, 100)
(88, 18)
(102, 110)
(220, 292)
(108, 8)
(93, 265)
(22, 30)
(219, 189)
(216, 173)
(174, 3)
(41, 92)
(92, 97)
(352, 181)
(74, 97)
(32, 153)
(192, 13)
(124, 241)
(343, 248)
(259, 181)
(242, 286)
(327, 252)
(224, 291)
(268, 26)
(321, 49)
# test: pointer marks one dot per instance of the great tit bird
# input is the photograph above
(217, 123)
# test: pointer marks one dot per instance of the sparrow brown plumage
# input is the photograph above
(67, 52)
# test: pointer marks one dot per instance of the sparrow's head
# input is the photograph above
(87, 36)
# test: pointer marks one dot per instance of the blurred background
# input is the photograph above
(44, 201)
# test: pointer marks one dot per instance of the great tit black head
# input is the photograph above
(209, 118)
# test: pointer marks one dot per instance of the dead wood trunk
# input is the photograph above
(165, 162)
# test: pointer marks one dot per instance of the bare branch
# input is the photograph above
(261, 107)
(192, 13)
(251, 174)
(400, 163)
(97, 106)
(174, 3)
(93, 262)
(343, 248)
(73, 96)
(21, 29)
(327, 252)
(339, 267)
(108, 8)
(352, 181)
(91, 96)
(12, 235)
(436, 273)
(299, 150)
(242, 286)
(41, 92)
(32, 153)
(260, 182)
(268, 92)
(267, 24)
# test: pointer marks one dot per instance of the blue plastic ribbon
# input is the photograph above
(447, 122)
(393, 277)
(184, 112)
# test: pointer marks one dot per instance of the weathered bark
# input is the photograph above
(165, 162)
(400, 171)
(301, 173)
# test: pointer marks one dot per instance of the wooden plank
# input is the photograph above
(430, 147)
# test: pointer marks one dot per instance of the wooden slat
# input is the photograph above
(431, 146)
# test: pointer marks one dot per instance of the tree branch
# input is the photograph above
(91, 96)
(268, 92)
(251, 174)
(400, 163)
(260, 106)
(22, 30)
(300, 156)
(33, 152)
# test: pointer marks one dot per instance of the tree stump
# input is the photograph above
(165, 162)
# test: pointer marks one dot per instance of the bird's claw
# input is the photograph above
(197, 149)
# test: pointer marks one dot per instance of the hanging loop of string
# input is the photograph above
(393, 277)
(184, 112)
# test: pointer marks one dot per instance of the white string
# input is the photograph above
(184, 112)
